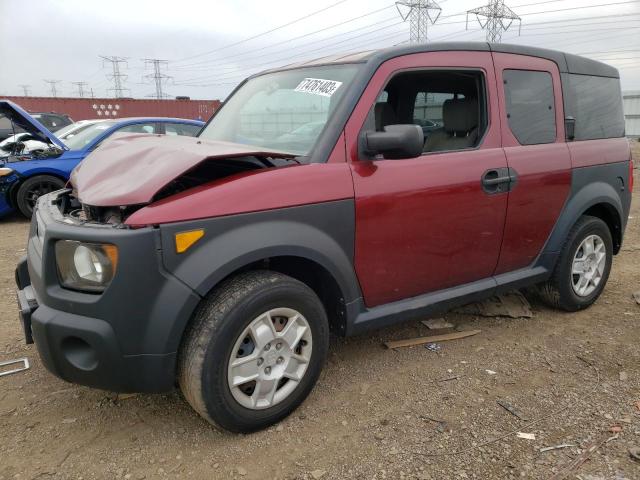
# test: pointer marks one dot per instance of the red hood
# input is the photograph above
(131, 169)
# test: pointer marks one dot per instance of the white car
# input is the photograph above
(24, 143)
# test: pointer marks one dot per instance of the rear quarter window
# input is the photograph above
(596, 104)
(530, 106)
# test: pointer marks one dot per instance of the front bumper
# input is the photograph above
(123, 340)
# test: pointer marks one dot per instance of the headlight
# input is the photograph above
(4, 172)
(86, 266)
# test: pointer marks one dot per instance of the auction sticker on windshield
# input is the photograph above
(318, 86)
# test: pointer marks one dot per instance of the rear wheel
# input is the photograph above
(254, 351)
(33, 188)
(583, 267)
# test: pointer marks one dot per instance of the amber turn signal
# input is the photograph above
(184, 240)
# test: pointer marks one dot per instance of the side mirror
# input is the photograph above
(569, 128)
(396, 142)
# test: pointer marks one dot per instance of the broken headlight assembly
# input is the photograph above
(87, 267)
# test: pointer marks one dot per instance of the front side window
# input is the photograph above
(283, 111)
(449, 107)
(530, 106)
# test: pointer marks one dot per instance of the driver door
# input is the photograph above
(428, 223)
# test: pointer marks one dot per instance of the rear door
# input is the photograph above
(533, 136)
(425, 224)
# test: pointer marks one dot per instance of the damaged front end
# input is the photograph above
(131, 173)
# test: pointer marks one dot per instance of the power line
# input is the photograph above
(116, 76)
(262, 33)
(243, 69)
(208, 65)
(420, 13)
(221, 65)
(52, 86)
(215, 63)
(26, 89)
(80, 86)
(157, 76)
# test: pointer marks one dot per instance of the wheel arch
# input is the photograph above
(313, 244)
(598, 199)
(13, 190)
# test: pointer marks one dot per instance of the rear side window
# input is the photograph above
(138, 128)
(181, 129)
(530, 106)
(596, 104)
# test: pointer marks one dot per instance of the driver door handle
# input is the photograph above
(499, 180)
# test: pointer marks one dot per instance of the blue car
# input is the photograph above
(26, 172)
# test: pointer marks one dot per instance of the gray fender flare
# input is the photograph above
(591, 194)
(322, 233)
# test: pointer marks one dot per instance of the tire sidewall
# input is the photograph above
(591, 226)
(21, 202)
(219, 401)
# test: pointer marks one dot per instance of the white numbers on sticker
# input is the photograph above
(318, 86)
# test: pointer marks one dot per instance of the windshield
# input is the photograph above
(283, 111)
(84, 137)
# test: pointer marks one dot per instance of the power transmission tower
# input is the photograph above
(117, 77)
(80, 86)
(495, 18)
(26, 89)
(52, 85)
(157, 76)
(420, 13)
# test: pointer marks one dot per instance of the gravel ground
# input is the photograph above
(375, 413)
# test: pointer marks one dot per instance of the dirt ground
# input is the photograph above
(375, 413)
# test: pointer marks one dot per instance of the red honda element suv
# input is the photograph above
(342, 194)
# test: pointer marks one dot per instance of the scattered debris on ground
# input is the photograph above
(433, 347)
(410, 342)
(25, 366)
(437, 324)
(512, 305)
(574, 464)
(526, 436)
(557, 447)
(511, 409)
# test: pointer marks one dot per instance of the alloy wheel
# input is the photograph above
(588, 265)
(270, 358)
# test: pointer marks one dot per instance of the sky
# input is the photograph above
(211, 45)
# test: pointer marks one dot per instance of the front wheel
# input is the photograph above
(32, 189)
(254, 351)
(583, 267)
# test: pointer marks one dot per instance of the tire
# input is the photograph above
(213, 341)
(32, 188)
(560, 291)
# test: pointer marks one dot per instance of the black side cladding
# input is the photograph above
(605, 185)
(322, 233)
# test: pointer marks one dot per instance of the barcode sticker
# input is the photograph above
(318, 86)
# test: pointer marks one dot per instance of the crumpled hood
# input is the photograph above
(131, 169)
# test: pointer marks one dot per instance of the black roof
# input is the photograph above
(567, 62)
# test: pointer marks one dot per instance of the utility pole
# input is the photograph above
(117, 77)
(157, 76)
(495, 18)
(80, 86)
(26, 89)
(420, 13)
(52, 85)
